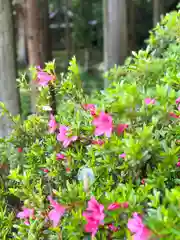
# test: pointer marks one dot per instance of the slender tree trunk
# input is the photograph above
(86, 59)
(87, 13)
(68, 32)
(33, 25)
(8, 88)
(45, 33)
(162, 7)
(20, 34)
(21, 47)
(156, 11)
(115, 33)
(105, 29)
(131, 10)
(47, 45)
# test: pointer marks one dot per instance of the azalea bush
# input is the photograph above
(165, 33)
(104, 166)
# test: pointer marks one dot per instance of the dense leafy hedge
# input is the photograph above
(103, 167)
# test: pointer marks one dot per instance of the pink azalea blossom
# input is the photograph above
(179, 107)
(91, 108)
(173, 115)
(121, 128)
(45, 170)
(38, 68)
(123, 155)
(56, 213)
(26, 222)
(178, 164)
(60, 156)
(114, 206)
(63, 136)
(149, 101)
(103, 124)
(43, 78)
(143, 181)
(125, 205)
(137, 227)
(20, 150)
(52, 124)
(94, 215)
(68, 170)
(178, 100)
(26, 214)
(98, 142)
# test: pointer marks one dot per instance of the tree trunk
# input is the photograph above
(47, 46)
(33, 27)
(20, 34)
(86, 59)
(21, 46)
(131, 10)
(115, 33)
(68, 32)
(45, 33)
(156, 11)
(8, 88)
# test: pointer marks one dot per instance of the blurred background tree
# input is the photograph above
(8, 89)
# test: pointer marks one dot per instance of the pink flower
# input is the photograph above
(103, 124)
(63, 136)
(43, 78)
(94, 215)
(20, 150)
(123, 155)
(98, 142)
(68, 170)
(91, 108)
(38, 68)
(125, 205)
(60, 156)
(143, 181)
(45, 170)
(26, 214)
(121, 128)
(149, 101)
(178, 164)
(26, 222)
(52, 124)
(114, 206)
(56, 213)
(136, 226)
(179, 107)
(178, 100)
(174, 115)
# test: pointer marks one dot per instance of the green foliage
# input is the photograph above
(147, 177)
(165, 33)
(84, 13)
